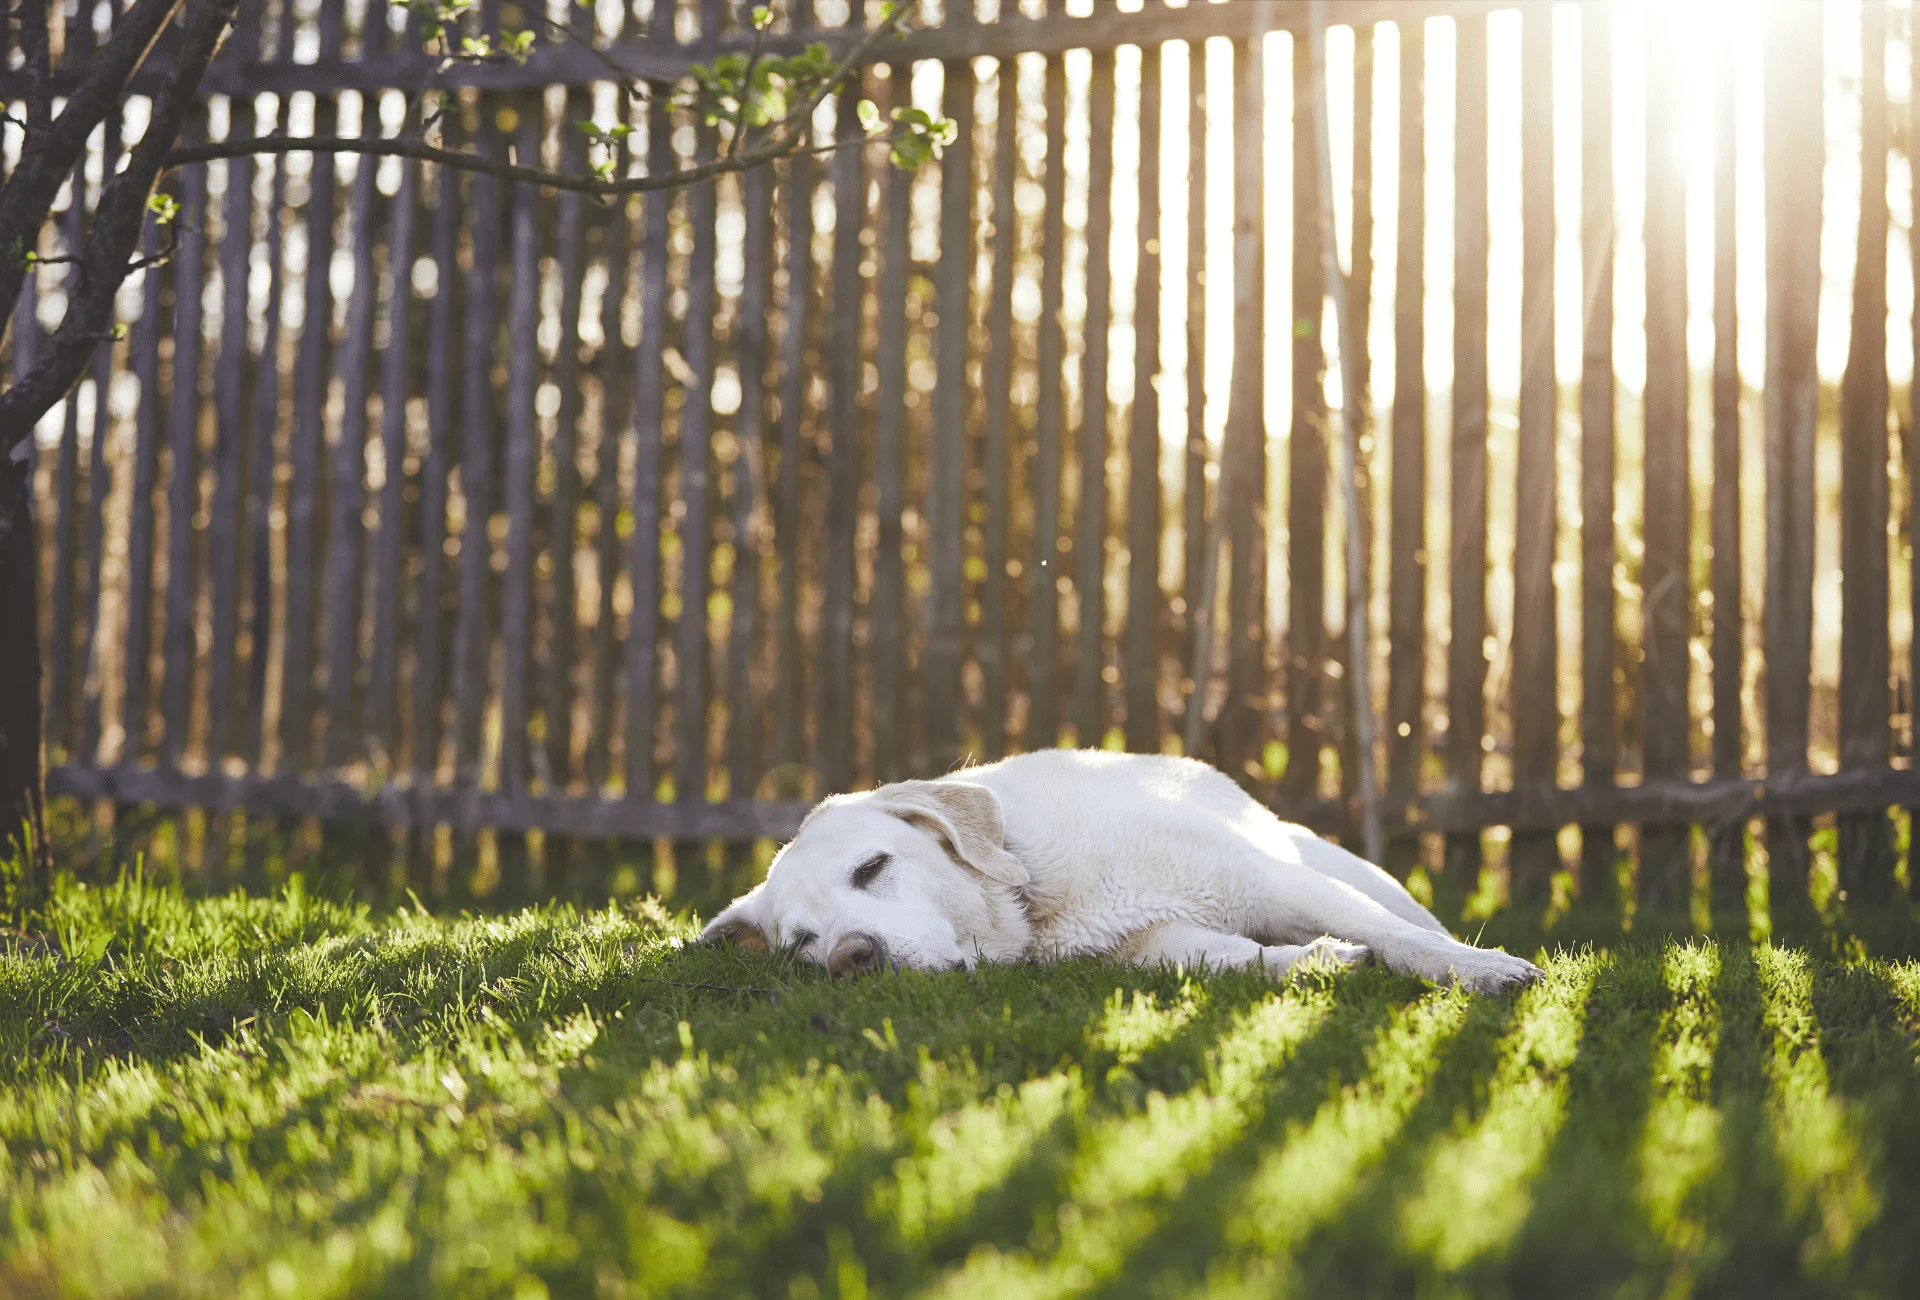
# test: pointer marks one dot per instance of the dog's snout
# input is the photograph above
(856, 953)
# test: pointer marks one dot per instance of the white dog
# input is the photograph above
(1061, 853)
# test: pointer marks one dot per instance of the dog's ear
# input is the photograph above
(735, 926)
(966, 816)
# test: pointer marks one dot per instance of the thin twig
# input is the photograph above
(739, 140)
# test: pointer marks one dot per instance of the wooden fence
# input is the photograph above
(421, 500)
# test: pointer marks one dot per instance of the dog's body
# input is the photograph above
(1062, 853)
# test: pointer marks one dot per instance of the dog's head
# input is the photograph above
(912, 874)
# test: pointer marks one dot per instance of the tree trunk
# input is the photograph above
(22, 779)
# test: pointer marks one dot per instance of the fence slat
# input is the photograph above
(998, 391)
(615, 390)
(1144, 612)
(480, 419)
(229, 441)
(1359, 309)
(790, 723)
(843, 455)
(99, 488)
(1043, 474)
(553, 763)
(1093, 439)
(1466, 653)
(145, 358)
(946, 493)
(1306, 468)
(1598, 746)
(66, 533)
(649, 405)
(183, 439)
(443, 340)
(344, 534)
(1536, 715)
(521, 458)
(696, 420)
(1407, 544)
(745, 731)
(887, 610)
(1196, 592)
(383, 670)
(1728, 851)
(1794, 126)
(1865, 855)
(303, 455)
(263, 456)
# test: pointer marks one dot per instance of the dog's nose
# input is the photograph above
(856, 953)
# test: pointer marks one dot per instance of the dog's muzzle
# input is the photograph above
(857, 953)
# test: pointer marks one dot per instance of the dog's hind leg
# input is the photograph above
(1180, 943)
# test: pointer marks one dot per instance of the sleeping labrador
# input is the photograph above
(1064, 853)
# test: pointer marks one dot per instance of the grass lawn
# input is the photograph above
(297, 1097)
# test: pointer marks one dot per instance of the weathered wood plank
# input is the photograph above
(1598, 732)
(430, 668)
(1144, 601)
(183, 438)
(835, 680)
(1306, 466)
(480, 416)
(998, 391)
(99, 488)
(649, 406)
(1466, 652)
(345, 532)
(520, 458)
(383, 669)
(615, 376)
(887, 608)
(1728, 865)
(554, 762)
(229, 442)
(1536, 713)
(790, 720)
(746, 732)
(946, 496)
(1243, 454)
(696, 457)
(303, 455)
(66, 523)
(1093, 439)
(1407, 544)
(144, 357)
(1196, 592)
(1043, 473)
(1795, 125)
(263, 460)
(1865, 855)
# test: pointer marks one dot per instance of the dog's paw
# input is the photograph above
(1498, 972)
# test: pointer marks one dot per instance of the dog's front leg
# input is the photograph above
(1179, 943)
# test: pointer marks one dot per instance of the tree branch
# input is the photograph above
(117, 220)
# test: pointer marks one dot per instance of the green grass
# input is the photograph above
(291, 1096)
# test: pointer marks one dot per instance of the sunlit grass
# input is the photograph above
(292, 1096)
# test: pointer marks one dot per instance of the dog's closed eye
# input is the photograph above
(869, 871)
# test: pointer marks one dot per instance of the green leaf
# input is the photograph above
(762, 18)
(478, 46)
(163, 206)
(869, 115)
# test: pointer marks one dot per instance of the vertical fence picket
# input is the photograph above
(843, 455)
(1306, 468)
(1665, 585)
(1093, 439)
(1598, 744)
(183, 429)
(1407, 543)
(1141, 663)
(790, 723)
(383, 671)
(998, 391)
(1466, 655)
(1044, 471)
(66, 482)
(520, 456)
(696, 421)
(1865, 853)
(649, 405)
(99, 488)
(263, 459)
(1794, 126)
(946, 497)
(1358, 290)
(887, 611)
(430, 666)
(229, 440)
(138, 648)
(553, 762)
(614, 377)
(1536, 715)
(745, 730)
(1196, 592)
(1728, 866)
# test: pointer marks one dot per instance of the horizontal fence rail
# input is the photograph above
(416, 499)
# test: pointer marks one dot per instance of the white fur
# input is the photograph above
(1061, 853)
